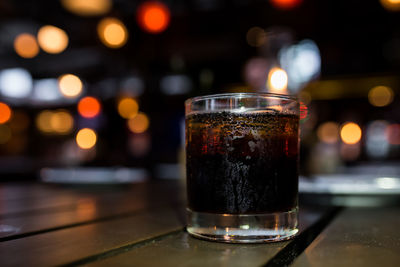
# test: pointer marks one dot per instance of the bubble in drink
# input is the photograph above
(242, 163)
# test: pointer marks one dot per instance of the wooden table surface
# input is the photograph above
(143, 225)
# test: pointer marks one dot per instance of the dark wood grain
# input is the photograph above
(71, 244)
(89, 207)
(357, 237)
(182, 250)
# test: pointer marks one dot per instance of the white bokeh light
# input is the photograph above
(302, 63)
(15, 83)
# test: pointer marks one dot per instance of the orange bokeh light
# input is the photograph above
(350, 133)
(5, 113)
(26, 46)
(285, 4)
(89, 107)
(153, 16)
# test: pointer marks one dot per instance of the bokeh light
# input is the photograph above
(61, 122)
(5, 134)
(328, 132)
(128, 108)
(25, 45)
(393, 134)
(139, 123)
(380, 96)
(89, 107)
(86, 138)
(112, 32)
(51, 39)
(302, 62)
(5, 113)
(256, 36)
(391, 5)
(350, 133)
(285, 4)
(15, 83)
(87, 7)
(153, 16)
(70, 85)
(43, 121)
(376, 143)
(277, 80)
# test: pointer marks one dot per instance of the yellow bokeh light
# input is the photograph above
(277, 80)
(70, 85)
(139, 123)
(86, 138)
(51, 39)
(112, 32)
(25, 45)
(350, 133)
(128, 108)
(87, 7)
(61, 122)
(328, 132)
(391, 5)
(43, 121)
(5, 134)
(380, 96)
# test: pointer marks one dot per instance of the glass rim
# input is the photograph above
(233, 95)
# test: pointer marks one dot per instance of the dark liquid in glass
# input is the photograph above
(242, 163)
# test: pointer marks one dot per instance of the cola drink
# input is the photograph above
(242, 162)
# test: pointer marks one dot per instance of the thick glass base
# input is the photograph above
(246, 228)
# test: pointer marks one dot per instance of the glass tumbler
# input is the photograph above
(242, 167)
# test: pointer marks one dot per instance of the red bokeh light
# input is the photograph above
(285, 4)
(5, 113)
(153, 16)
(89, 107)
(393, 134)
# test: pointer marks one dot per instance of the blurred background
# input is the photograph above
(99, 85)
